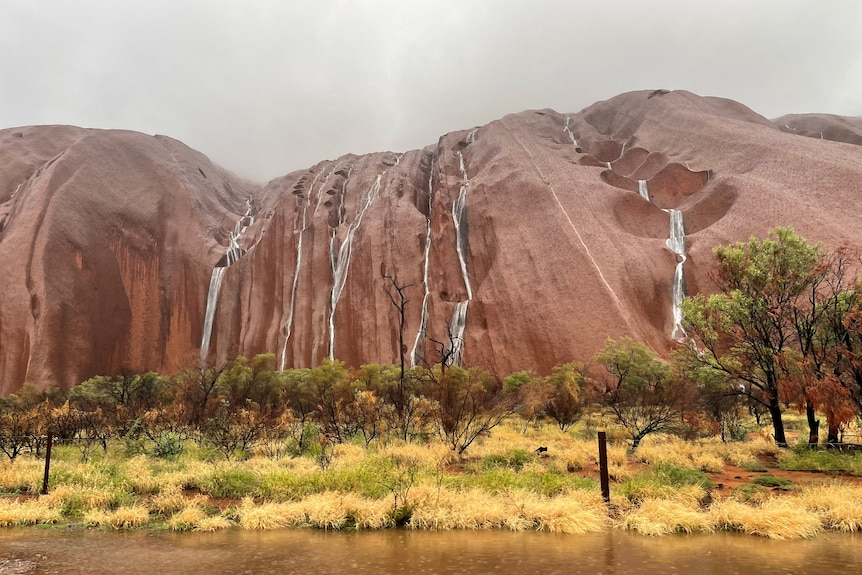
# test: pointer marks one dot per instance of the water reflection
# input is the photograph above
(418, 553)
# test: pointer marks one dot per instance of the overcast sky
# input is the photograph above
(265, 87)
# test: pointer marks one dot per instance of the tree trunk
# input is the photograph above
(813, 424)
(777, 424)
(832, 433)
(637, 441)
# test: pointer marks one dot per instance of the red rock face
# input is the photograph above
(110, 239)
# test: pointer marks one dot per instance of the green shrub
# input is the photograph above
(233, 482)
(515, 459)
(772, 481)
(749, 493)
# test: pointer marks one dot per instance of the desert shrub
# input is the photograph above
(772, 481)
(514, 459)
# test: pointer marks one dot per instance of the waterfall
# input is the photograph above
(340, 258)
(676, 244)
(418, 353)
(232, 255)
(209, 314)
(642, 189)
(459, 218)
(608, 165)
(288, 326)
(568, 131)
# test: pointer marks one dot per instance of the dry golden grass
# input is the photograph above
(674, 451)
(214, 523)
(777, 518)
(575, 512)
(838, 505)
(347, 455)
(443, 509)
(78, 495)
(186, 519)
(662, 517)
(126, 517)
(743, 452)
(138, 470)
(268, 515)
(23, 475)
(30, 512)
(173, 500)
(430, 456)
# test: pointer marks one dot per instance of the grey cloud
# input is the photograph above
(267, 87)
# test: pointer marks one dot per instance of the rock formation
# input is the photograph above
(534, 237)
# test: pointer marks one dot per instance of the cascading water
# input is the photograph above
(642, 189)
(339, 259)
(676, 244)
(568, 131)
(288, 326)
(232, 255)
(417, 355)
(608, 165)
(459, 217)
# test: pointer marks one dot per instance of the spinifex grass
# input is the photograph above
(805, 459)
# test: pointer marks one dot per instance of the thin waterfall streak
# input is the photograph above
(287, 329)
(676, 244)
(341, 262)
(642, 189)
(209, 313)
(568, 131)
(459, 316)
(232, 255)
(423, 322)
(608, 166)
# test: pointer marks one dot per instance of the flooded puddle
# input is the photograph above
(38, 551)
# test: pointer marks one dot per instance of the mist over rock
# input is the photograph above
(531, 239)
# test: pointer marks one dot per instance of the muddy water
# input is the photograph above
(33, 551)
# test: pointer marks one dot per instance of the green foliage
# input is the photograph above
(231, 481)
(824, 461)
(168, 445)
(662, 479)
(515, 459)
(765, 336)
(770, 480)
(749, 493)
(550, 482)
(753, 465)
(567, 398)
(640, 392)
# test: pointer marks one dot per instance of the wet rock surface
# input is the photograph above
(109, 238)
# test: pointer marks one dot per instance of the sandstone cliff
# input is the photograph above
(532, 238)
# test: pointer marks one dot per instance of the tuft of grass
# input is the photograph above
(838, 505)
(753, 465)
(268, 515)
(805, 459)
(515, 459)
(230, 480)
(32, 512)
(186, 519)
(770, 480)
(664, 481)
(777, 518)
(127, 517)
(662, 516)
(750, 493)
(75, 500)
(23, 476)
(214, 523)
(671, 450)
